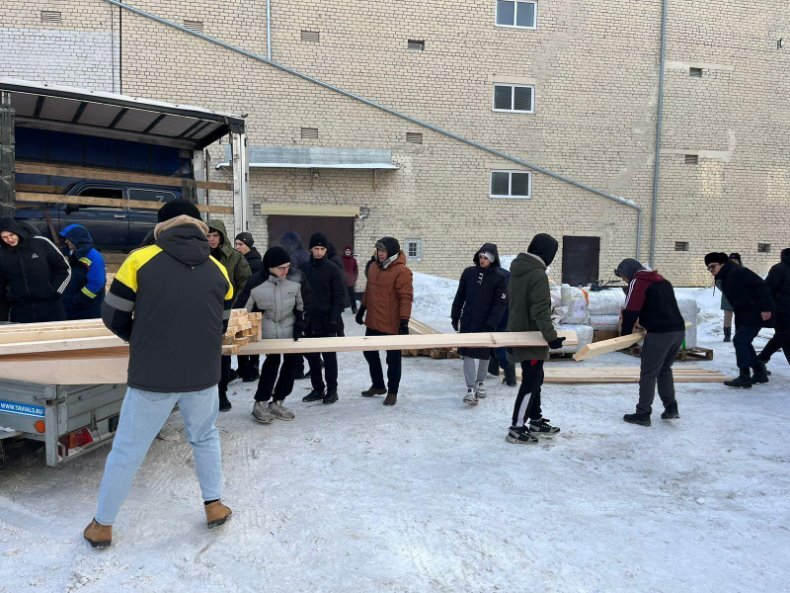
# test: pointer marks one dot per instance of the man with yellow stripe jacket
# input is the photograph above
(85, 293)
(171, 301)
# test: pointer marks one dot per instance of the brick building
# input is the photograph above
(569, 89)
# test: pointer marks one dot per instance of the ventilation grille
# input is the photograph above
(256, 210)
(691, 159)
(763, 248)
(193, 25)
(309, 133)
(416, 44)
(414, 137)
(311, 36)
(51, 16)
(695, 72)
(681, 245)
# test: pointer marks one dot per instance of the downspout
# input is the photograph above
(269, 29)
(659, 121)
(368, 102)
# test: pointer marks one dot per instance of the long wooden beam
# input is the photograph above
(108, 202)
(607, 346)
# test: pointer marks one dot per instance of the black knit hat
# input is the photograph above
(735, 255)
(319, 240)
(388, 244)
(275, 256)
(175, 208)
(246, 238)
(716, 257)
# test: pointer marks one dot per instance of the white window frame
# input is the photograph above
(514, 26)
(531, 87)
(418, 243)
(509, 195)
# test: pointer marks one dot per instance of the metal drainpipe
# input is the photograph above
(269, 29)
(659, 121)
(443, 132)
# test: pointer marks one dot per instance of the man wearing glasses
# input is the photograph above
(750, 298)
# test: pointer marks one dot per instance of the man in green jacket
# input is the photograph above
(238, 271)
(529, 302)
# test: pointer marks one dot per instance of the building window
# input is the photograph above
(511, 184)
(516, 14)
(193, 25)
(681, 245)
(414, 137)
(763, 248)
(310, 36)
(414, 249)
(416, 44)
(309, 133)
(514, 98)
(695, 72)
(691, 159)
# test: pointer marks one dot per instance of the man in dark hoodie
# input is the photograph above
(351, 269)
(33, 274)
(651, 300)
(171, 301)
(478, 306)
(750, 298)
(778, 281)
(85, 292)
(245, 244)
(238, 272)
(529, 309)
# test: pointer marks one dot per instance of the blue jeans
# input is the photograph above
(143, 414)
(745, 355)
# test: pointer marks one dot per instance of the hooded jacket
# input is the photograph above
(234, 262)
(748, 294)
(350, 267)
(529, 297)
(32, 271)
(389, 294)
(778, 281)
(481, 299)
(171, 301)
(292, 243)
(84, 295)
(651, 300)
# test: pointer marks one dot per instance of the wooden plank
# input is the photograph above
(53, 334)
(607, 346)
(109, 202)
(557, 374)
(44, 346)
(112, 175)
(41, 189)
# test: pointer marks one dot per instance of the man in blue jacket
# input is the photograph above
(85, 293)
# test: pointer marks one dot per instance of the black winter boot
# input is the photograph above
(510, 375)
(743, 380)
(314, 396)
(224, 403)
(670, 412)
(637, 418)
(493, 366)
(759, 375)
(728, 334)
(330, 397)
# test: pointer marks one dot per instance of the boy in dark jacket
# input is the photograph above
(85, 292)
(245, 244)
(778, 281)
(651, 300)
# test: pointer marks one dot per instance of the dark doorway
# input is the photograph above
(580, 260)
(338, 229)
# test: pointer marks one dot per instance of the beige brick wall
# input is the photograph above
(595, 71)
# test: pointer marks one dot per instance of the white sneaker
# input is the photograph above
(261, 414)
(481, 390)
(279, 411)
(470, 397)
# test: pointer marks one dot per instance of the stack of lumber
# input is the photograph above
(419, 328)
(563, 373)
(243, 328)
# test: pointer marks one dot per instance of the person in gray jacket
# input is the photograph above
(279, 298)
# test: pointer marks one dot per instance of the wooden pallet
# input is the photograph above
(417, 327)
(243, 328)
(684, 354)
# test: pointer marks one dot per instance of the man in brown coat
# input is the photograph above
(387, 300)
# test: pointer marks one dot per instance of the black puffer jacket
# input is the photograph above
(748, 294)
(779, 282)
(254, 259)
(481, 299)
(327, 287)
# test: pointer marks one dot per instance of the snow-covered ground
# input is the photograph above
(427, 496)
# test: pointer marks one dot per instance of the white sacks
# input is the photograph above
(604, 322)
(689, 310)
(583, 332)
(575, 300)
(609, 301)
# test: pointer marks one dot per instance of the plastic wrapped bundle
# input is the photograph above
(689, 310)
(575, 300)
(606, 302)
(583, 332)
(604, 322)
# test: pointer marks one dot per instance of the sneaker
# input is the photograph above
(279, 411)
(542, 428)
(216, 514)
(261, 413)
(391, 399)
(224, 403)
(373, 390)
(640, 419)
(98, 535)
(670, 412)
(481, 391)
(470, 397)
(330, 397)
(520, 435)
(314, 396)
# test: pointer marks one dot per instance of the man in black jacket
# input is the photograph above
(750, 298)
(778, 281)
(171, 301)
(651, 300)
(248, 365)
(328, 289)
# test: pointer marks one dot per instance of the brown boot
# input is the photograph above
(98, 535)
(391, 399)
(216, 514)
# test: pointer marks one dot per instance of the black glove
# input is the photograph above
(299, 325)
(298, 332)
(331, 329)
(403, 329)
(360, 315)
(454, 323)
(556, 343)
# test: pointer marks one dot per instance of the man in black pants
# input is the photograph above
(778, 281)
(651, 300)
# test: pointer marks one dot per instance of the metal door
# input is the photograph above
(580, 260)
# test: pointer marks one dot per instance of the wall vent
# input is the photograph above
(695, 72)
(310, 36)
(763, 248)
(416, 44)
(309, 133)
(193, 25)
(414, 137)
(51, 16)
(691, 159)
(681, 245)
